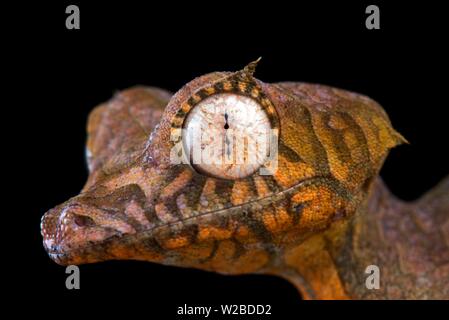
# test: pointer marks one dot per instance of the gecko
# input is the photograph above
(318, 218)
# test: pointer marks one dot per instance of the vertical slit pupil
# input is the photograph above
(226, 126)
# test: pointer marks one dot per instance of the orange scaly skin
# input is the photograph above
(319, 221)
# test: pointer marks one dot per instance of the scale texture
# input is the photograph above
(319, 220)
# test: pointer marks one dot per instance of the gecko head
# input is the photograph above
(235, 172)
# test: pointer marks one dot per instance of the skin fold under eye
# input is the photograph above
(227, 136)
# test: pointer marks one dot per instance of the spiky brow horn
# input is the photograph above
(250, 68)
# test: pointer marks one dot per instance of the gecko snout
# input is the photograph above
(74, 227)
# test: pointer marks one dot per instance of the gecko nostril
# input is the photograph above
(83, 221)
(48, 225)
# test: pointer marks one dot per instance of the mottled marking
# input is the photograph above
(296, 211)
(223, 253)
(223, 188)
(207, 191)
(242, 86)
(212, 254)
(177, 184)
(333, 139)
(249, 88)
(180, 113)
(126, 203)
(291, 173)
(314, 152)
(194, 191)
(258, 228)
(210, 90)
(192, 101)
(136, 212)
(255, 92)
(175, 242)
(227, 86)
(172, 206)
(288, 153)
(269, 219)
(183, 207)
(164, 214)
(219, 86)
(243, 191)
(150, 213)
(202, 93)
(261, 185)
(206, 233)
(132, 176)
(177, 122)
(266, 103)
(153, 245)
(359, 150)
(239, 249)
(271, 183)
(187, 197)
(186, 107)
(176, 239)
(118, 198)
(282, 215)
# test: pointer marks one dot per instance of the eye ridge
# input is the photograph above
(248, 88)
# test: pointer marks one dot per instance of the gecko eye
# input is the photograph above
(227, 136)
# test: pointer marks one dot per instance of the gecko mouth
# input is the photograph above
(76, 233)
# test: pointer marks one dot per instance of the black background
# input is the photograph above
(67, 72)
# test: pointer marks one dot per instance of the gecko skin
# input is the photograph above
(318, 221)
